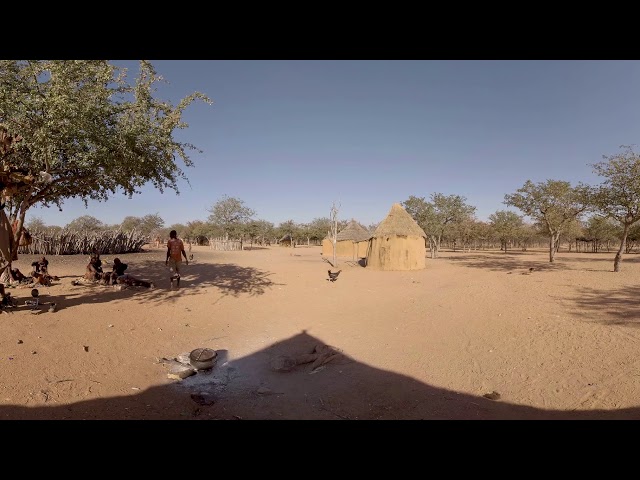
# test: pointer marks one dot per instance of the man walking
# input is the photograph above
(175, 252)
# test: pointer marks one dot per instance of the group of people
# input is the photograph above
(39, 273)
(117, 275)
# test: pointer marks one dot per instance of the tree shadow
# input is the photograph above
(197, 278)
(249, 388)
(621, 305)
(504, 262)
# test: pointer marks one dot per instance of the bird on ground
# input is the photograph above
(191, 257)
(333, 276)
(52, 307)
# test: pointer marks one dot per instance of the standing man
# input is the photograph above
(175, 252)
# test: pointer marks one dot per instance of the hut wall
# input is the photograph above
(396, 252)
(327, 248)
(345, 248)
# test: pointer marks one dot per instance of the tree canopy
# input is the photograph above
(554, 204)
(618, 196)
(83, 129)
(230, 214)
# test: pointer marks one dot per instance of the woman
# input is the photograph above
(121, 277)
(94, 268)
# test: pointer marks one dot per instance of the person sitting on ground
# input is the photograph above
(6, 300)
(126, 278)
(40, 266)
(94, 267)
(18, 277)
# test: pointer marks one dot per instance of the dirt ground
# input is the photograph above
(558, 342)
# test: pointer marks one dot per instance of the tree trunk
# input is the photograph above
(618, 259)
(553, 241)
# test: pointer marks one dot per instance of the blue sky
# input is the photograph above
(291, 137)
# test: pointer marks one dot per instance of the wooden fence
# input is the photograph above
(224, 244)
(73, 242)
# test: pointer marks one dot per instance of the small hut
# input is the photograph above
(285, 241)
(398, 243)
(352, 241)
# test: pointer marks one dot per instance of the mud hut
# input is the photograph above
(398, 243)
(285, 241)
(352, 241)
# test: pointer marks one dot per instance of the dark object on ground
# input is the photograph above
(333, 276)
(203, 358)
(203, 398)
(492, 396)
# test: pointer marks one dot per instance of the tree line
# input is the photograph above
(85, 129)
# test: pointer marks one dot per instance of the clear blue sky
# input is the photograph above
(291, 137)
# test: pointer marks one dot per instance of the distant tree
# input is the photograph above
(265, 230)
(146, 225)
(150, 222)
(573, 230)
(320, 227)
(85, 223)
(633, 237)
(438, 216)
(81, 129)
(618, 196)
(230, 213)
(602, 230)
(36, 224)
(251, 230)
(554, 204)
(462, 232)
(197, 231)
(507, 226)
(130, 223)
(528, 234)
(288, 227)
(372, 227)
(180, 229)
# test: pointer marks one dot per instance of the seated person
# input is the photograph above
(17, 276)
(126, 278)
(5, 298)
(40, 266)
(94, 268)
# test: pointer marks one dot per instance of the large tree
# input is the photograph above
(618, 196)
(554, 204)
(230, 214)
(82, 129)
(438, 217)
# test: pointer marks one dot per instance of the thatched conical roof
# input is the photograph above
(354, 232)
(399, 222)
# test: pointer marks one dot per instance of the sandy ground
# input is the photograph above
(559, 342)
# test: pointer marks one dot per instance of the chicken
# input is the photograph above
(333, 276)
(191, 257)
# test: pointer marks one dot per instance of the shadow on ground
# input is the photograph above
(249, 389)
(197, 277)
(619, 307)
(502, 262)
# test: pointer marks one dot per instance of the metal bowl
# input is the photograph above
(203, 358)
